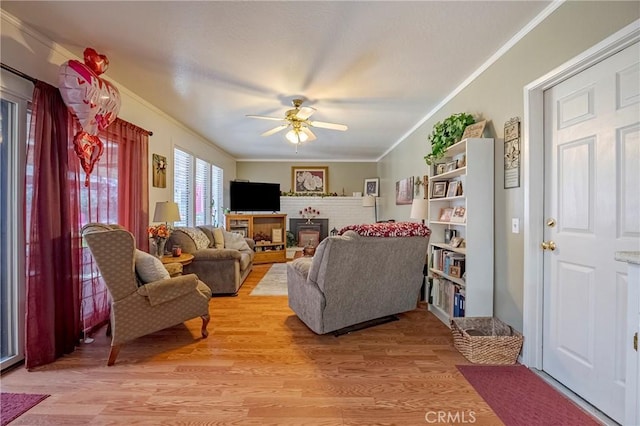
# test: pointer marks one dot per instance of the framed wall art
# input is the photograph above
(371, 187)
(404, 191)
(159, 171)
(305, 179)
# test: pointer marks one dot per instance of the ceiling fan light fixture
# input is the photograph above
(295, 136)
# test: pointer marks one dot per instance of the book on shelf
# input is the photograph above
(448, 296)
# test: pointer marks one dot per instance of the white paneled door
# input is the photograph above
(592, 205)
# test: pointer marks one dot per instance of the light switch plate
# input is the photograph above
(515, 225)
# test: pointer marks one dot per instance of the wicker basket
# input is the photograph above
(486, 340)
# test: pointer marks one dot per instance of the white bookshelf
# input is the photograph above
(476, 177)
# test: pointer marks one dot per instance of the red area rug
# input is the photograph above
(16, 404)
(521, 398)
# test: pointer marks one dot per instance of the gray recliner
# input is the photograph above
(352, 279)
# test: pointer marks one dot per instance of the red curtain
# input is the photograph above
(65, 292)
(52, 261)
(118, 193)
(133, 181)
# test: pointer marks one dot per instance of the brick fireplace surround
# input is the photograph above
(338, 211)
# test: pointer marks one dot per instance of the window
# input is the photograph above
(197, 189)
(15, 96)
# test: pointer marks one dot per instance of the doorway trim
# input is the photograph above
(533, 172)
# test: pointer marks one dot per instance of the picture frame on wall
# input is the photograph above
(159, 171)
(404, 191)
(371, 187)
(310, 180)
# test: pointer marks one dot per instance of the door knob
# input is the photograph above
(548, 245)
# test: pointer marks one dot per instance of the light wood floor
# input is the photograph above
(260, 365)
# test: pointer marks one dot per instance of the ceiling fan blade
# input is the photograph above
(264, 117)
(309, 133)
(305, 112)
(332, 126)
(275, 130)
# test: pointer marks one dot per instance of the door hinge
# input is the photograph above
(635, 342)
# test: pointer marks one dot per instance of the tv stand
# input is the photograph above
(272, 227)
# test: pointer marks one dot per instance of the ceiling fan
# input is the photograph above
(297, 119)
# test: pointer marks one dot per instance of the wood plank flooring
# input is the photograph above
(260, 365)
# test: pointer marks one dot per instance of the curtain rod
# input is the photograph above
(18, 73)
(35, 80)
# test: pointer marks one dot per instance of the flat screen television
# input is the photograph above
(254, 196)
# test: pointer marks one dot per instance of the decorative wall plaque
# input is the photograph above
(512, 153)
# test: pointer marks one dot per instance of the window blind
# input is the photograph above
(182, 186)
(217, 195)
(203, 192)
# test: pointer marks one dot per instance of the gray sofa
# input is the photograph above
(352, 279)
(223, 269)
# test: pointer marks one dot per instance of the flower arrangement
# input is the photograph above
(309, 213)
(159, 234)
(159, 231)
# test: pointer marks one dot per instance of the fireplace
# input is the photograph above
(305, 230)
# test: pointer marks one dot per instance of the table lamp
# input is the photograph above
(420, 209)
(370, 201)
(166, 211)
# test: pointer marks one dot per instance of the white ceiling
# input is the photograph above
(378, 67)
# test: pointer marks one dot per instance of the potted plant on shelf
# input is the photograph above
(445, 133)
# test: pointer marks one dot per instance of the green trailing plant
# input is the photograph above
(445, 133)
(291, 239)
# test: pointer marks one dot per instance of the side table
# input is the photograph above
(174, 265)
(183, 259)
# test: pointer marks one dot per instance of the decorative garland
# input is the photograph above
(307, 194)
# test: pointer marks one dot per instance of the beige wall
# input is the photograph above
(497, 95)
(342, 176)
(38, 57)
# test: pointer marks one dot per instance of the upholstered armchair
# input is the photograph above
(144, 299)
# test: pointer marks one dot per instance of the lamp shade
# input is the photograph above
(368, 201)
(166, 211)
(419, 208)
(296, 136)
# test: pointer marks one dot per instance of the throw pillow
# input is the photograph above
(208, 230)
(149, 268)
(215, 236)
(199, 238)
(235, 241)
(218, 237)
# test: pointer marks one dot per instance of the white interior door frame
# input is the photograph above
(533, 165)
